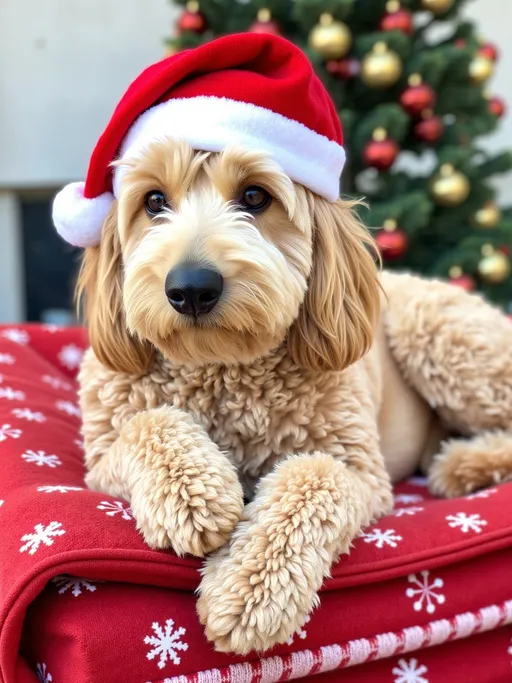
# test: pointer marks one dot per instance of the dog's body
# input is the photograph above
(292, 385)
(261, 412)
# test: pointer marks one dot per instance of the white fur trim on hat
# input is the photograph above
(79, 220)
(212, 123)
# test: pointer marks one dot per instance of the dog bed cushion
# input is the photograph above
(424, 597)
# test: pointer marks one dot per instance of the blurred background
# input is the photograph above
(420, 91)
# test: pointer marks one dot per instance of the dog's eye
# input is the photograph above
(255, 198)
(155, 202)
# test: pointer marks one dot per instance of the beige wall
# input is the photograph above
(494, 18)
(63, 65)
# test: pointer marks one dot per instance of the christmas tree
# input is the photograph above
(410, 81)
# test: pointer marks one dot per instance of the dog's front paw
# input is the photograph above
(252, 600)
(186, 495)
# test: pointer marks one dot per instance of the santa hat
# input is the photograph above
(254, 90)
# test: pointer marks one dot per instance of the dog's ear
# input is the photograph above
(336, 322)
(99, 289)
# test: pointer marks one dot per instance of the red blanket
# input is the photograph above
(82, 600)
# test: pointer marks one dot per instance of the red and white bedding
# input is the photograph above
(425, 596)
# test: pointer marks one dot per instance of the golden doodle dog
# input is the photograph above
(243, 343)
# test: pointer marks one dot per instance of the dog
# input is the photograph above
(245, 345)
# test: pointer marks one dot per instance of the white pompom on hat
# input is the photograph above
(255, 90)
(79, 219)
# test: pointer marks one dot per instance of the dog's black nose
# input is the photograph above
(192, 290)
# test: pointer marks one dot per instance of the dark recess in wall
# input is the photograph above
(50, 265)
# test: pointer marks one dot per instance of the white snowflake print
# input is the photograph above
(71, 356)
(58, 489)
(29, 415)
(301, 633)
(49, 327)
(418, 481)
(166, 643)
(41, 458)
(74, 585)
(382, 537)
(57, 383)
(11, 394)
(42, 535)
(15, 335)
(425, 592)
(116, 507)
(466, 522)
(407, 512)
(8, 432)
(69, 408)
(408, 498)
(510, 649)
(43, 675)
(1, 503)
(7, 359)
(485, 493)
(79, 443)
(410, 671)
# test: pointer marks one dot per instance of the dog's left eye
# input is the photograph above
(155, 202)
(255, 198)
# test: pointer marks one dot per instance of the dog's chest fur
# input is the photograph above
(257, 413)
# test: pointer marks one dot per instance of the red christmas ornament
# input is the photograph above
(497, 107)
(381, 152)
(392, 241)
(344, 69)
(192, 19)
(430, 129)
(265, 24)
(490, 51)
(465, 281)
(417, 96)
(397, 19)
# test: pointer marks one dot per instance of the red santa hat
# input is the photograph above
(258, 91)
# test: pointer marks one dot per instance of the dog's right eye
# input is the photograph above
(155, 202)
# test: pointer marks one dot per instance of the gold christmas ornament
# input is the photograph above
(390, 225)
(264, 15)
(379, 134)
(414, 80)
(449, 187)
(487, 217)
(455, 272)
(381, 68)
(170, 51)
(437, 7)
(331, 38)
(494, 268)
(481, 68)
(392, 6)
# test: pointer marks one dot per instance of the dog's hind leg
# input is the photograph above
(467, 465)
(455, 350)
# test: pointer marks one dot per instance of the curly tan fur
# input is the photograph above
(292, 388)
(306, 512)
(159, 463)
(467, 465)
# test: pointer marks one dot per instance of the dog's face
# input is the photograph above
(221, 257)
(215, 267)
